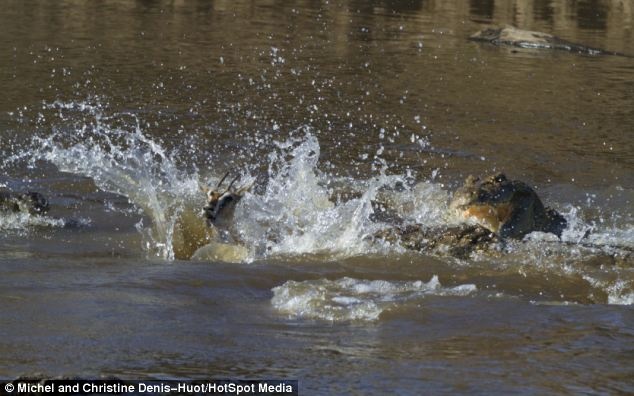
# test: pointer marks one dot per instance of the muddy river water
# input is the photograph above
(117, 111)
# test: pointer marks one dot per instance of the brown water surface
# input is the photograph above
(157, 95)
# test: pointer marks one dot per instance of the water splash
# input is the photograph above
(423, 203)
(299, 210)
(296, 215)
(23, 222)
(124, 161)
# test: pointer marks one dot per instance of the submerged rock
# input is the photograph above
(513, 36)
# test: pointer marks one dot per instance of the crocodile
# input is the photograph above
(513, 36)
(508, 208)
(483, 213)
(457, 240)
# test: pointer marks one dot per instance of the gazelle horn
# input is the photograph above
(232, 181)
(223, 179)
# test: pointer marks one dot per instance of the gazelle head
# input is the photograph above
(220, 201)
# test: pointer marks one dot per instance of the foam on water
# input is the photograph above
(22, 222)
(349, 299)
(619, 299)
(619, 291)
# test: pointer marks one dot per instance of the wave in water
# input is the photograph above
(349, 299)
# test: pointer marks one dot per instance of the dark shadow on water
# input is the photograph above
(482, 8)
(391, 6)
(592, 14)
(544, 10)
